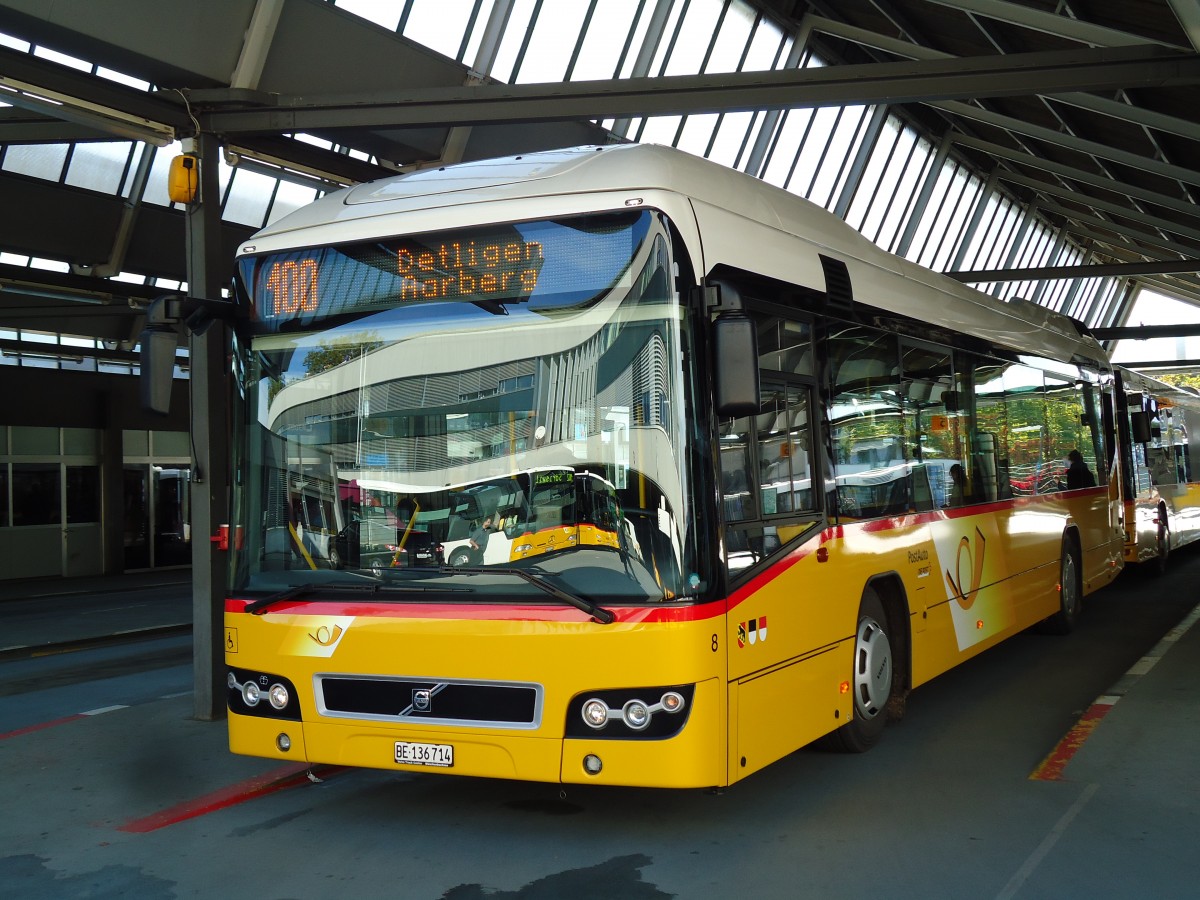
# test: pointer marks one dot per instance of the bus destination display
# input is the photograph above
(332, 280)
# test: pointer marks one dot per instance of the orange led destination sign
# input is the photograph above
(468, 268)
(456, 269)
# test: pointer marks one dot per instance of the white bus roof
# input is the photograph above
(742, 222)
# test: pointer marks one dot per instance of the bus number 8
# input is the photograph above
(294, 286)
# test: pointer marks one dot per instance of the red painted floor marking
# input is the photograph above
(268, 783)
(1051, 768)
(38, 727)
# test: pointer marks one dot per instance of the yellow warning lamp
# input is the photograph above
(183, 179)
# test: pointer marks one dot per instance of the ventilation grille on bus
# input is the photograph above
(486, 704)
(837, 280)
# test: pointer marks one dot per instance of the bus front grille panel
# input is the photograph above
(498, 705)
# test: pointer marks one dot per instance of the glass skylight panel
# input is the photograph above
(384, 14)
(697, 133)
(16, 44)
(314, 141)
(659, 130)
(440, 24)
(731, 39)
(786, 146)
(696, 32)
(49, 265)
(879, 179)
(605, 39)
(730, 136)
(844, 137)
(951, 220)
(62, 58)
(288, 198)
(766, 48)
(512, 39)
(248, 198)
(658, 65)
(553, 41)
(640, 29)
(36, 160)
(121, 78)
(99, 166)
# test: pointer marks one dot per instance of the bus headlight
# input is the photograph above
(595, 713)
(623, 713)
(257, 693)
(636, 715)
(278, 695)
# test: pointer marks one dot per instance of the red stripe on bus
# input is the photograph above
(285, 777)
(1051, 768)
(481, 612)
(634, 615)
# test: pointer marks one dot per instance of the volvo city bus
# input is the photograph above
(1160, 455)
(821, 475)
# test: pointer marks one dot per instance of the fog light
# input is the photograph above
(595, 713)
(251, 694)
(283, 742)
(636, 715)
(278, 696)
(592, 764)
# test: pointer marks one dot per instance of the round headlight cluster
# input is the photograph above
(277, 695)
(636, 714)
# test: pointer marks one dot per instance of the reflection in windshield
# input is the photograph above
(411, 442)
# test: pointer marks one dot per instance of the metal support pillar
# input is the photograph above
(210, 437)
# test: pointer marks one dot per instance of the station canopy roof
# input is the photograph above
(1041, 148)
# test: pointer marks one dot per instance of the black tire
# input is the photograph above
(335, 559)
(1070, 592)
(461, 557)
(873, 679)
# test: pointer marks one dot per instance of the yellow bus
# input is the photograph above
(830, 475)
(1160, 480)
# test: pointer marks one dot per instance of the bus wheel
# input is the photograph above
(1162, 544)
(873, 679)
(460, 557)
(1070, 594)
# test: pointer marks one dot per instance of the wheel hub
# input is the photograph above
(872, 669)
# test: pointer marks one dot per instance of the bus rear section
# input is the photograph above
(1159, 476)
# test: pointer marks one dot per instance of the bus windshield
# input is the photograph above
(429, 411)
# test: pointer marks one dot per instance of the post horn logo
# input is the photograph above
(970, 561)
(326, 636)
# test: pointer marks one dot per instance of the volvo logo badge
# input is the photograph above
(422, 700)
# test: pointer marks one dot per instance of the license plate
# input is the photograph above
(411, 754)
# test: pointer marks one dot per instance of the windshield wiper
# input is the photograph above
(315, 587)
(598, 613)
(298, 590)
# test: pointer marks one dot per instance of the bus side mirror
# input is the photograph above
(735, 353)
(1139, 422)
